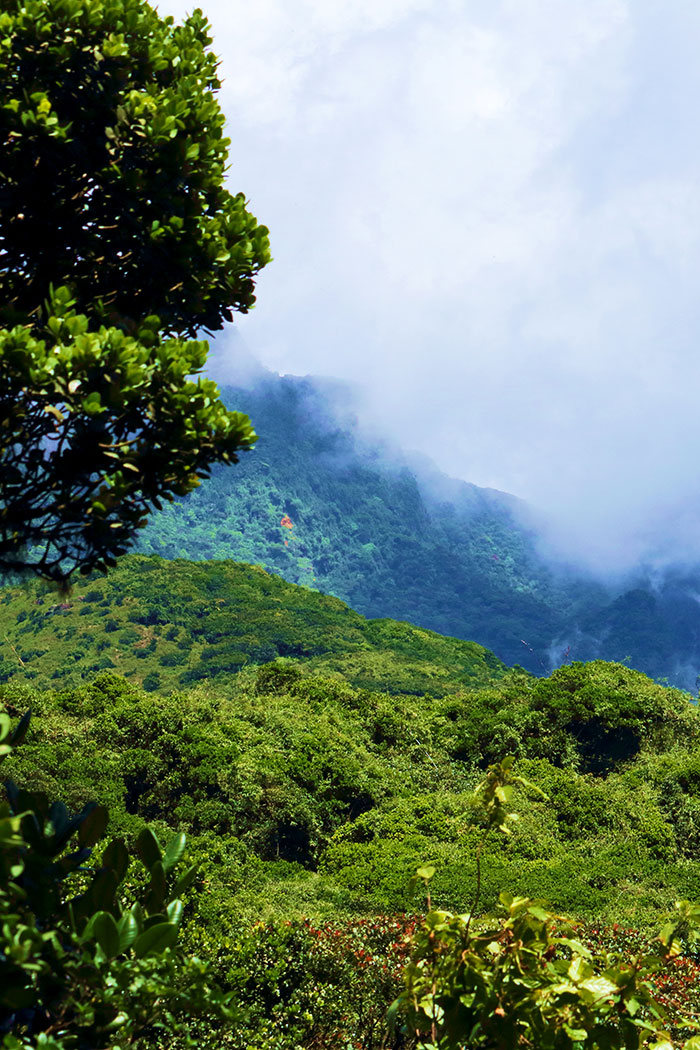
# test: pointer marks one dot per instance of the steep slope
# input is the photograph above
(394, 537)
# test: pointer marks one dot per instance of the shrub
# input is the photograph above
(86, 970)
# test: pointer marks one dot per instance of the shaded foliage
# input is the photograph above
(80, 968)
(116, 231)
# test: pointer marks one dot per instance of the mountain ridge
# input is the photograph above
(391, 535)
(364, 530)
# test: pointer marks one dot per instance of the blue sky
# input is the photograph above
(487, 214)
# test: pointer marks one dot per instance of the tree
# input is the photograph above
(118, 243)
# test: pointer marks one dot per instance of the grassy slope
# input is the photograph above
(167, 624)
(366, 532)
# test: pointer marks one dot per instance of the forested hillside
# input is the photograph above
(166, 624)
(357, 787)
(309, 803)
(230, 703)
(394, 538)
(316, 760)
(367, 532)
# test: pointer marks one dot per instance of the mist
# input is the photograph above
(486, 217)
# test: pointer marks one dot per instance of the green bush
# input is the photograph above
(526, 981)
(80, 967)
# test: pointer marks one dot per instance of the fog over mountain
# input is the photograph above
(324, 502)
(654, 537)
(487, 216)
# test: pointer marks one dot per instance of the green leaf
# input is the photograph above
(539, 913)
(116, 858)
(391, 1015)
(579, 969)
(185, 881)
(128, 931)
(102, 889)
(155, 940)
(93, 827)
(577, 1034)
(148, 848)
(155, 919)
(157, 888)
(425, 872)
(106, 932)
(20, 730)
(59, 817)
(174, 851)
(174, 912)
(600, 987)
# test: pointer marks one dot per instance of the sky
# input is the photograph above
(486, 215)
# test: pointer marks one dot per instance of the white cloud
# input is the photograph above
(489, 213)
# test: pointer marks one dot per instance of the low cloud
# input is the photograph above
(488, 217)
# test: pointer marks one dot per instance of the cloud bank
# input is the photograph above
(487, 214)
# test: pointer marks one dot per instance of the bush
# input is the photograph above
(526, 981)
(86, 970)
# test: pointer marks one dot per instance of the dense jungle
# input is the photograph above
(304, 745)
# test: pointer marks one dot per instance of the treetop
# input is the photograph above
(112, 169)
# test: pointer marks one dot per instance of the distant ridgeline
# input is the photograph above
(313, 506)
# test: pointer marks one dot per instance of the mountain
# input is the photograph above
(313, 504)
(320, 505)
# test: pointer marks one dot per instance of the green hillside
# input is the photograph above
(303, 795)
(169, 624)
(229, 702)
(397, 539)
(316, 759)
(366, 530)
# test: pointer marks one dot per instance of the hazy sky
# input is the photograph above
(488, 213)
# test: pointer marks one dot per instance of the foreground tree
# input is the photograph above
(118, 243)
(112, 169)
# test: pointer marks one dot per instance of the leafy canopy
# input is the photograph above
(118, 243)
(112, 168)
